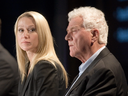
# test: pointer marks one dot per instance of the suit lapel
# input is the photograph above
(103, 53)
(25, 84)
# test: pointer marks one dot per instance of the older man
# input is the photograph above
(100, 73)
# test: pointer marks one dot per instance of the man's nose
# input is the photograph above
(68, 36)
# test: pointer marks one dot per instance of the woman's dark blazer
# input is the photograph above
(104, 77)
(44, 80)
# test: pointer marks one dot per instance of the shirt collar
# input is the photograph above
(84, 66)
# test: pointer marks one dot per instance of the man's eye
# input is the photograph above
(74, 30)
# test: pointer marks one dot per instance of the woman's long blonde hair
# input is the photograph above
(45, 49)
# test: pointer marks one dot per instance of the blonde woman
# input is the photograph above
(42, 74)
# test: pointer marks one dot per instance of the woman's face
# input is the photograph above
(26, 34)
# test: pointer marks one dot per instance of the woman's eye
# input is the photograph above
(32, 30)
(20, 30)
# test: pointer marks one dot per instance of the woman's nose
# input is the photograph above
(25, 35)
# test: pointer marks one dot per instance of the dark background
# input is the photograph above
(55, 11)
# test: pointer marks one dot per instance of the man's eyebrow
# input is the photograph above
(73, 27)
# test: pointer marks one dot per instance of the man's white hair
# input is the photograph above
(92, 19)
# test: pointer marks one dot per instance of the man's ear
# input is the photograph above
(95, 35)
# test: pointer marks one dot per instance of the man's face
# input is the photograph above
(79, 39)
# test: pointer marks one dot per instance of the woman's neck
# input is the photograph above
(30, 56)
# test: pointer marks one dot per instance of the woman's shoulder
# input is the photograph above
(44, 63)
(43, 68)
(47, 65)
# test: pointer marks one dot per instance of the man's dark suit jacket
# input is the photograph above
(8, 74)
(104, 77)
(44, 80)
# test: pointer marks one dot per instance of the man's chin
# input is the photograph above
(71, 54)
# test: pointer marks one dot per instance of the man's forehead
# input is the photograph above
(77, 21)
(72, 27)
